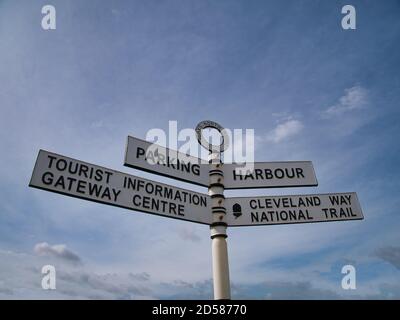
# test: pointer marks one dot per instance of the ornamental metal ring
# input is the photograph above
(203, 141)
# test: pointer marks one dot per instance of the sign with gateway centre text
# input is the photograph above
(253, 211)
(79, 179)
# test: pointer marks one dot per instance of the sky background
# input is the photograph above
(309, 89)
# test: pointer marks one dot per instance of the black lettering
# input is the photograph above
(268, 174)
(47, 178)
(332, 211)
(203, 201)
(64, 165)
(258, 173)
(71, 181)
(108, 174)
(60, 182)
(254, 217)
(235, 175)
(83, 170)
(94, 189)
(291, 174)
(75, 170)
(140, 152)
(279, 173)
(98, 175)
(51, 160)
(172, 208)
(81, 185)
(181, 209)
(299, 172)
(196, 169)
(136, 200)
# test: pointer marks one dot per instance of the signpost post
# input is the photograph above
(219, 225)
(60, 174)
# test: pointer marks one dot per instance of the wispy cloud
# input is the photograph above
(390, 255)
(285, 130)
(59, 251)
(354, 98)
(84, 283)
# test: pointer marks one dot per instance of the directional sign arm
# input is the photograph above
(253, 211)
(60, 174)
(269, 175)
(153, 158)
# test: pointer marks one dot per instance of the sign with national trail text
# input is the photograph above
(253, 211)
(79, 179)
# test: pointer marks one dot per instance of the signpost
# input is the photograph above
(79, 179)
(83, 180)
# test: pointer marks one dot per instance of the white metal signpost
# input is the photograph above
(60, 174)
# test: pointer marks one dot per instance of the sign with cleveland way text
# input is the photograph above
(79, 179)
(147, 156)
(253, 211)
(269, 175)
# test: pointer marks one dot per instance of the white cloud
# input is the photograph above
(354, 98)
(285, 130)
(21, 277)
(58, 251)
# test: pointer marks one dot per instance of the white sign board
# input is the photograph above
(79, 179)
(269, 175)
(253, 211)
(156, 159)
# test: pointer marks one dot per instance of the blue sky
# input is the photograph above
(309, 89)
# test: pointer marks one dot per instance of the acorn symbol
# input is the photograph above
(237, 210)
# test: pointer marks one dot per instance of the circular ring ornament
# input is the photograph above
(203, 141)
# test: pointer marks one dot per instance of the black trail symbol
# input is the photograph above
(237, 210)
